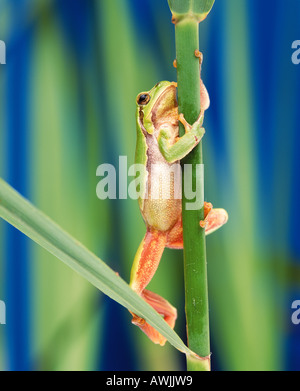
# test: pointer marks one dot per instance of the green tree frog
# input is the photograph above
(159, 145)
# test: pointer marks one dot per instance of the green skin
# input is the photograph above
(162, 103)
(158, 142)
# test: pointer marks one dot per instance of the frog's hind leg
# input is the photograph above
(147, 259)
(144, 267)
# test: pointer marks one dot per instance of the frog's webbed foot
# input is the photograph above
(213, 218)
(164, 308)
(205, 102)
(204, 97)
(196, 127)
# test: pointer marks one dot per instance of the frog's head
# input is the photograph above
(155, 104)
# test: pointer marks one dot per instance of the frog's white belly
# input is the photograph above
(162, 202)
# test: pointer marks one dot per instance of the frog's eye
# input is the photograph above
(143, 99)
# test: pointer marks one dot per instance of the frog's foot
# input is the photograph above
(214, 219)
(205, 103)
(175, 63)
(204, 96)
(189, 127)
(164, 308)
(196, 128)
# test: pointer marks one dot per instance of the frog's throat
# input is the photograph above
(165, 104)
(141, 122)
(161, 109)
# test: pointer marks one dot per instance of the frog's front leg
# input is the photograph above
(185, 144)
(144, 267)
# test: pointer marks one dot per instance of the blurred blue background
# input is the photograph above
(67, 104)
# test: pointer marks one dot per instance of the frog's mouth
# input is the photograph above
(164, 107)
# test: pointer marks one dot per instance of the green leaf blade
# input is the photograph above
(26, 218)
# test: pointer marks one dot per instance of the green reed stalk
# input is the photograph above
(186, 15)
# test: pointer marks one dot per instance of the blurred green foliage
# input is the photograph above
(86, 63)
